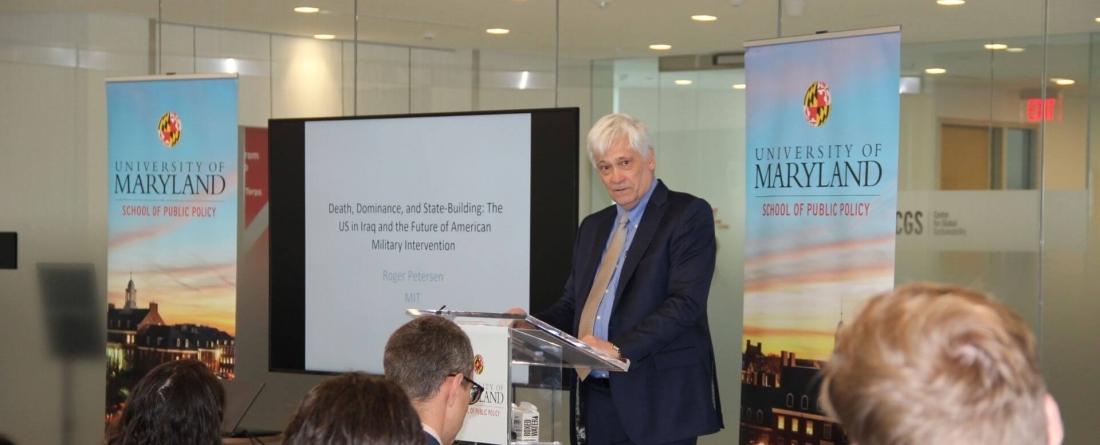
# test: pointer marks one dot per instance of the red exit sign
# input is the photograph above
(1036, 111)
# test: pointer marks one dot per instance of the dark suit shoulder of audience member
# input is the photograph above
(429, 439)
(176, 403)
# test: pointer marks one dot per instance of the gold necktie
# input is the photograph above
(599, 286)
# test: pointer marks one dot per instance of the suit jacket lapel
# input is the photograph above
(651, 220)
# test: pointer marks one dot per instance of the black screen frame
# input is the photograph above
(555, 135)
(9, 250)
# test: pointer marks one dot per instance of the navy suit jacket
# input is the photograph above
(430, 439)
(658, 319)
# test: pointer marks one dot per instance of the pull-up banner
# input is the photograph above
(821, 181)
(172, 167)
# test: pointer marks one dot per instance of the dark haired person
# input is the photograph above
(176, 403)
(355, 409)
(432, 359)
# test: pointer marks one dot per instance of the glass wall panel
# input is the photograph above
(381, 78)
(441, 80)
(1071, 253)
(455, 56)
(698, 124)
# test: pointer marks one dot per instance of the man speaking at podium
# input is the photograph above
(637, 290)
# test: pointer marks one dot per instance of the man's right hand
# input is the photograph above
(519, 324)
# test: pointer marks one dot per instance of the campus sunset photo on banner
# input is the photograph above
(172, 223)
(821, 181)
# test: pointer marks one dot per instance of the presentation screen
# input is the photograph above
(370, 216)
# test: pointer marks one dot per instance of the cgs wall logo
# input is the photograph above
(479, 364)
(816, 103)
(169, 129)
(909, 222)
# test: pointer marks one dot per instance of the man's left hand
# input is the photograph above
(601, 345)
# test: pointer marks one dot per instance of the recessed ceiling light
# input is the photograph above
(1098, 20)
(324, 36)
(307, 10)
(683, 82)
(950, 2)
(497, 31)
(1061, 81)
(935, 70)
(704, 18)
(995, 46)
(738, 86)
(660, 47)
(1014, 49)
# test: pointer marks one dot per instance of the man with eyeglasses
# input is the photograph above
(432, 359)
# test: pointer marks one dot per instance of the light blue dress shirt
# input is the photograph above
(603, 313)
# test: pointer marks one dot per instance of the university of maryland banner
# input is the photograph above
(173, 176)
(821, 184)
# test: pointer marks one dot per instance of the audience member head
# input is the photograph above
(355, 409)
(178, 402)
(432, 359)
(928, 364)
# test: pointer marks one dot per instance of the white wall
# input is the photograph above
(52, 164)
(442, 80)
(499, 76)
(918, 152)
(306, 77)
(1065, 144)
(383, 79)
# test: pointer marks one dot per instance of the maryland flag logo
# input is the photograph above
(817, 103)
(169, 129)
(479, 364)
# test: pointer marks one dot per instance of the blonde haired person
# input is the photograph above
(934, 364)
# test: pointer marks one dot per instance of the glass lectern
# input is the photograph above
(521, 369)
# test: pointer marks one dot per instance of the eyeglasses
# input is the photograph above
(475, 389)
